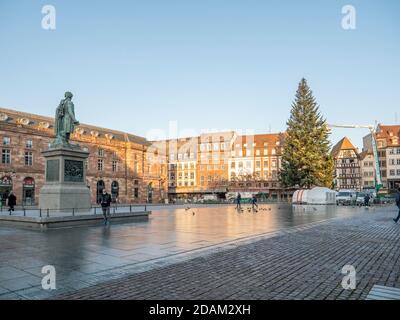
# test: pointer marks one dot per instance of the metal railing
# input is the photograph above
(93, 210)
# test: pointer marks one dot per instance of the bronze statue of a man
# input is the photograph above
(65, 121)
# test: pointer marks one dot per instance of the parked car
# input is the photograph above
(360, 200)
(346, 197)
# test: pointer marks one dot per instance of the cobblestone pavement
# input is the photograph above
(85, 256)
(305, 264)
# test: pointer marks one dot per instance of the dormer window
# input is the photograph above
(80, 131)
(109, 136)
(94, 134)
(44, 125)
(24, 121)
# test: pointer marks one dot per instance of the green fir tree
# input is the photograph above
(306, 159)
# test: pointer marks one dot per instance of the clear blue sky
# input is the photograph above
(208, 64)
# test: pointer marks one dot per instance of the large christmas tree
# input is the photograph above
(306, 160)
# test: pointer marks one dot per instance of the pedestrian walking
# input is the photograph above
(367, 198)
(397, 204)
(105, 202)
(12, 201)
(238, 199)
(254, 204)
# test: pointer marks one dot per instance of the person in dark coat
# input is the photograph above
(254, 204)
(397, 204)
(238, 199)
(105, 202)
(366, 200)
(12, 201)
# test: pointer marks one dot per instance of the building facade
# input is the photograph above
(347, 173)
(367, 166)
(122, 163)
(225, 162)
(388, 146)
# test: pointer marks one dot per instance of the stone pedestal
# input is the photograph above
(65, 180)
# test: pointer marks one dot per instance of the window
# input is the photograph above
(101, 153)
(6, 141)
(136, 192)
(6, 156)
(192, 175)
(216, 146)
(398, 172)
(100, 164)
(232, 165)
(265, 163)
(29, 144)
(28, 158)
(392, 172)
(115, 166)
(258, 164)
(257, 152)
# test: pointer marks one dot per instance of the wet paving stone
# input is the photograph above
(305, 264)
(248, 254)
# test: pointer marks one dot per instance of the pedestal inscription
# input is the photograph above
(53, 170)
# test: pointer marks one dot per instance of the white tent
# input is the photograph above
(317, 195)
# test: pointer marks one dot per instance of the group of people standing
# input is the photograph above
(254, 204)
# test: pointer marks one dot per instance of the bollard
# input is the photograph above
(40, 212)
(48, 212)
(24, 212)
(130, 208)
(145, 207)
(73, 211)
(94, 210)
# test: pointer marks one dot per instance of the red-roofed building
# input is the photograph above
(388, 145)
(347, 165)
